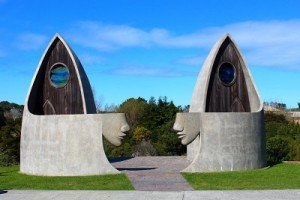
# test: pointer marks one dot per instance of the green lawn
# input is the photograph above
(281, 176)
(10, 178)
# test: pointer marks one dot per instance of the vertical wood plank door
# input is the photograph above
(63, 96)
(231, 96)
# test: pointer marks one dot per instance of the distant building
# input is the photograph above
(296, 117)
(268, 108)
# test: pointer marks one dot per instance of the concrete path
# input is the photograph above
(141, 195)
(154, 173)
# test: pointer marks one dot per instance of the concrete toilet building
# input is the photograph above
(61, 132)
(224, 129)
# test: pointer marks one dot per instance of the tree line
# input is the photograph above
(10, 133)
(151, 132)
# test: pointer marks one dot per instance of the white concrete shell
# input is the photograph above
(68, 145)
(226, 141)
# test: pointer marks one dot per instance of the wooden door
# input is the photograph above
(227, 92)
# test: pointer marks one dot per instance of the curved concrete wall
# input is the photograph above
(230, 142)
(65, 145)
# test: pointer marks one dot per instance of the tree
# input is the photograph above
(283, 138)
(141, 134)
(151, 128)
(299, 105)
(134, 110)
(99, 103)
(277, 150)
(10, 144)
(122, 151)
(110, 108)
(2, 118)
(6, 106)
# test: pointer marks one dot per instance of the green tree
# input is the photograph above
(168, 143)
(2, 118)
(283, 138)
(6, 106)
(10, 133)
(122, 151)
(277, 150)
(151, 123)
(141, 134)
(134, 110)
(10, 144)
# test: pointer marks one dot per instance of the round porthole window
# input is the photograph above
(227, 74)
(59, 75)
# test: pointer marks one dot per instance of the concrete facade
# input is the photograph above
(225, 141)
(230, 142)
(68, 144)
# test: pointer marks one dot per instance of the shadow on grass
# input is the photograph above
(7, 172)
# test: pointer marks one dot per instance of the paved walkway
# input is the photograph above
(154, 173)
(138, 195)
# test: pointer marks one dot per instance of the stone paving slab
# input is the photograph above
(141, 195)
(154, 173)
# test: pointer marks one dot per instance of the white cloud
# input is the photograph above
(191, 60)
(147, 71)
(265, 43)
(90, 59)
(107, 37)
(31, 41)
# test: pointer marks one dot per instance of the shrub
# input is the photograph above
(277, 150)
(141, 134)
(10, 145)
(283, 139)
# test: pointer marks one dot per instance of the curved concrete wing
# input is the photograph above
(64, 145)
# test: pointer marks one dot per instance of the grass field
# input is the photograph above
(281, 176)
(10, 178)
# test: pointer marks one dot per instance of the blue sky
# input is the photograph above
(151, 48)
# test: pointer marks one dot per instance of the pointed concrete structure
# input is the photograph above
(61, 132)
(224, 129)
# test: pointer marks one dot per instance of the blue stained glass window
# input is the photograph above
(59, 75)
(227, 73)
